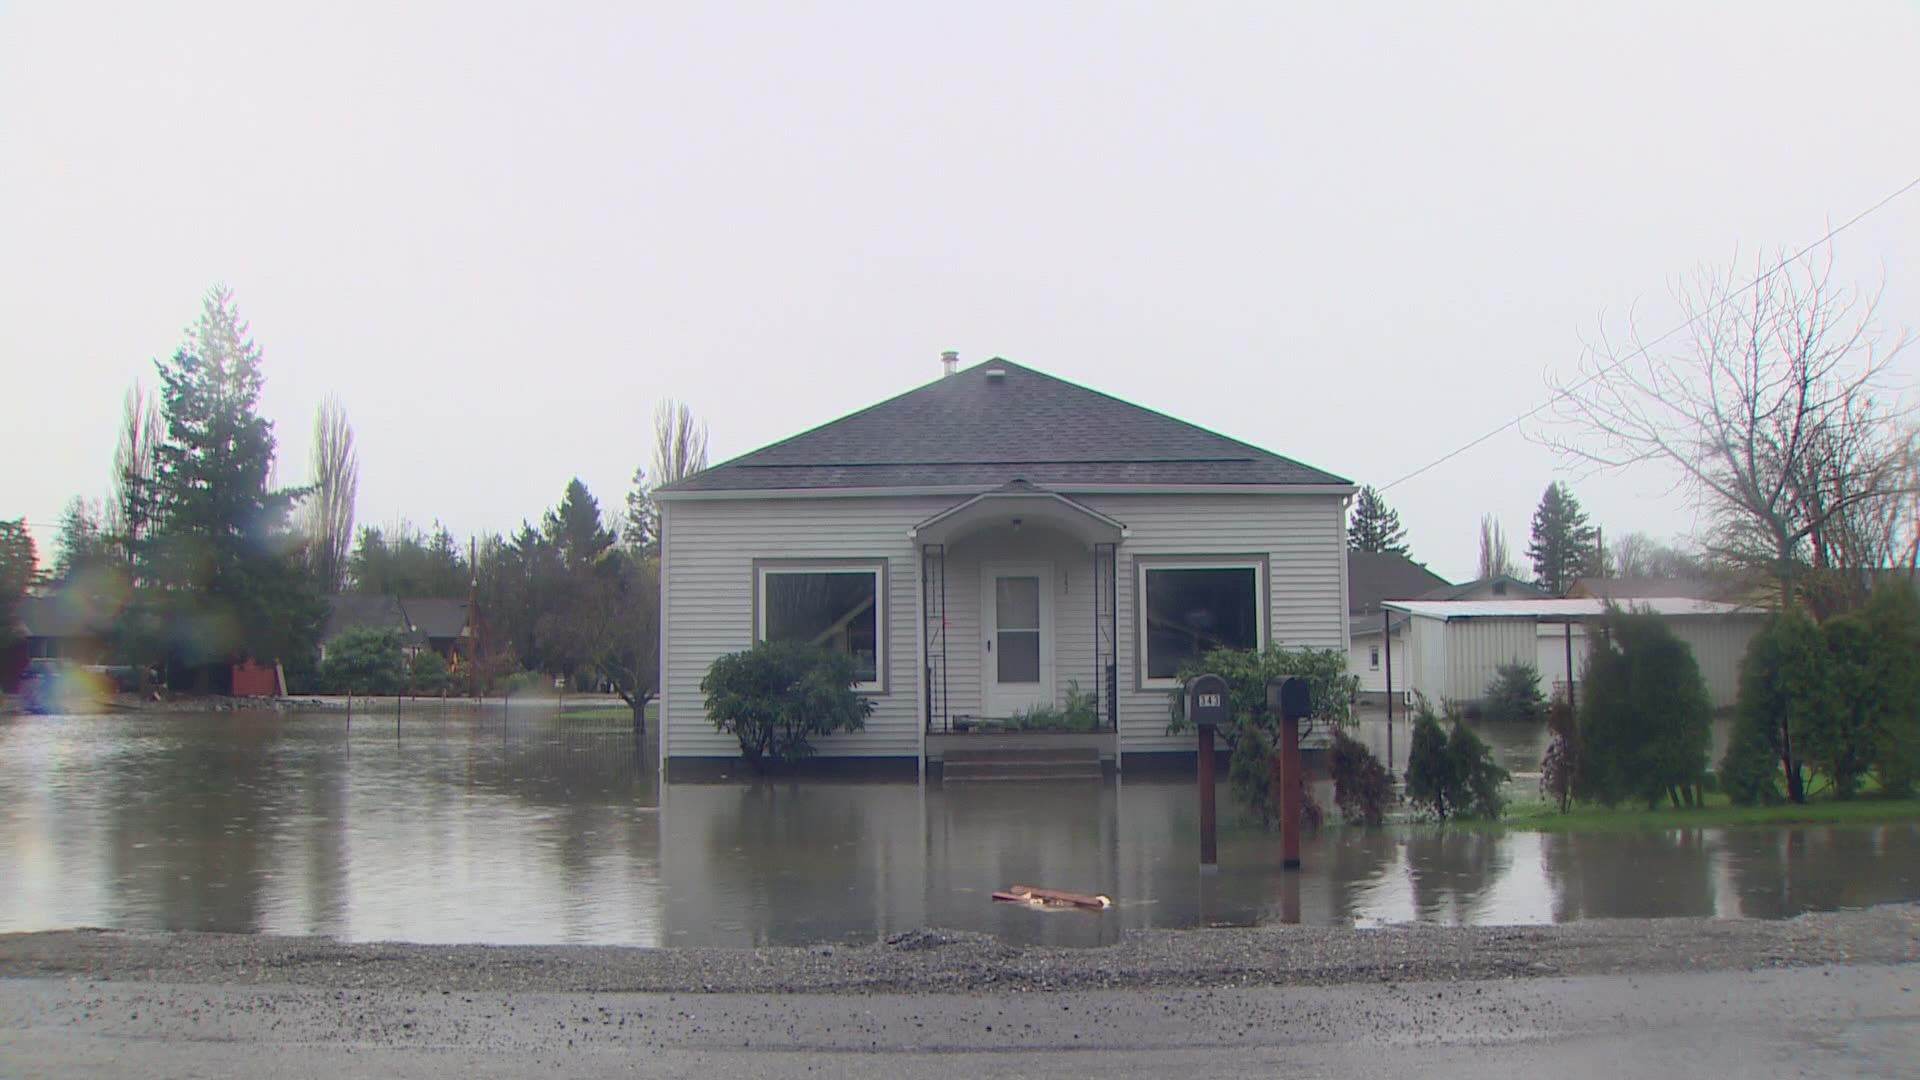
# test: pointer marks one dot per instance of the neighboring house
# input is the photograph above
(424, 623)
(1455, 646)
(63, 624)
(986, 543)
(1371, 579)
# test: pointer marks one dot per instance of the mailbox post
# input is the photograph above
(1207, 707)
(1290, 700)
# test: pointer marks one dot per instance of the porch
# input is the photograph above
(1019, 630)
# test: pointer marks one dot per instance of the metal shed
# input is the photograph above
(1455, 646)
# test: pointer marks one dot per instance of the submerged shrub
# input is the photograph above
(1362, 786)
(1514, 695)
(1452, 774)
(775, 696)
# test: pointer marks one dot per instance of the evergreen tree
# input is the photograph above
(1786, 685)
(220, 555)
(1564, 546)
(1375, 526)
(19, 567)
(1645, 717)
(83, 545)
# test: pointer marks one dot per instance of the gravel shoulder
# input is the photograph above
(955, 962)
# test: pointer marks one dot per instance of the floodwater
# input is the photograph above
(537, 828)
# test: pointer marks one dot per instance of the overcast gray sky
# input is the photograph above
(1358, 235)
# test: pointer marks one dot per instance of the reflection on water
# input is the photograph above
(536, 828)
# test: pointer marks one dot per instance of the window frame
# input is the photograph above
(1144, 564)
(877, 567)
(1374, 658)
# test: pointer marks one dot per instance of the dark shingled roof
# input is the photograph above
(968, 430)
(1373, 577)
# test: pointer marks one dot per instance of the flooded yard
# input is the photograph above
(530, 827)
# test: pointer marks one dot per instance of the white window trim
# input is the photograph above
(876, 567)
(1142, 564)
(1374, 658)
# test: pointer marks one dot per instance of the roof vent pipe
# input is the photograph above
(948, 361)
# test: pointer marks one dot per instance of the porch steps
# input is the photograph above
(1017, 763)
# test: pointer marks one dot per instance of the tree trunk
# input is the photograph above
(1796, 786)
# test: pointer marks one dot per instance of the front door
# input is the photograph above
(1016, 615)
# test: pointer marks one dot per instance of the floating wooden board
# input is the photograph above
(1029, 894)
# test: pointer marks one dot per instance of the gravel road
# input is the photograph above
(955, 962)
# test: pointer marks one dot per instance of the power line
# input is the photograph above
(1642, 350)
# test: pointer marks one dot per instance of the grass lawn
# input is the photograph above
(612, 712)
(1545, 817)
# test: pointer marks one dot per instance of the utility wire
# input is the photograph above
(1642, 350)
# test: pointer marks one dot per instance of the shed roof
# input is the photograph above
(998, 422)
(1562, 610)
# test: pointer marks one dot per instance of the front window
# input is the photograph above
(1187, 610)
(1376, 658)
(836, 607)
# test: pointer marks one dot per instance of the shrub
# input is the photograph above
(1843, 741)
(1247, 674)
(1080, 713)
(1750, 769)
(1362, 786)
(775, 696)
(1479, 777)
(1893, 614)
(1514, 696)
(1430, 783)
(1452, 775)
(1562, 760)
(364, 660)
(428, 673)
(1250, 779)
(1646, 719)
(1786, 681)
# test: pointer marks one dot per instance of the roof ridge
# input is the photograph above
(1207, 446)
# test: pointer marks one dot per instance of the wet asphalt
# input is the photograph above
(1816, 1021)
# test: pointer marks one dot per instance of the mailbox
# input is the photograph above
(1208, 705)
(1290, 698)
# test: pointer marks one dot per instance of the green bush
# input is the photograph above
(1646, 719)
(775, 696)
(1843, 741)
(1452, 775)
(1080, 713)
(364, 660)
(1514, 696)
(1362, 786)
(1893, 615)
(1247, 673)
(1786, 683)
(428, 672)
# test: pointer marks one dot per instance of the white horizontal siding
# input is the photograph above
(1373, 680)
(708, 605)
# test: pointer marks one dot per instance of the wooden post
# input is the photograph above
(1209, 851)
(1386, 645)
(1569, 639)
(1289, 768)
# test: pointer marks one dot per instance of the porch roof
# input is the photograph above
(1015, 505)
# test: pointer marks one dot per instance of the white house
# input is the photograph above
(984, 544)
(1453, 647)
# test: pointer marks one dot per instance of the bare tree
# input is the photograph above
(1777, 413)
(1637, 555)
(330, 502)
(679, 443)
(136, 459)
(1496, 560)
(679, 451)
